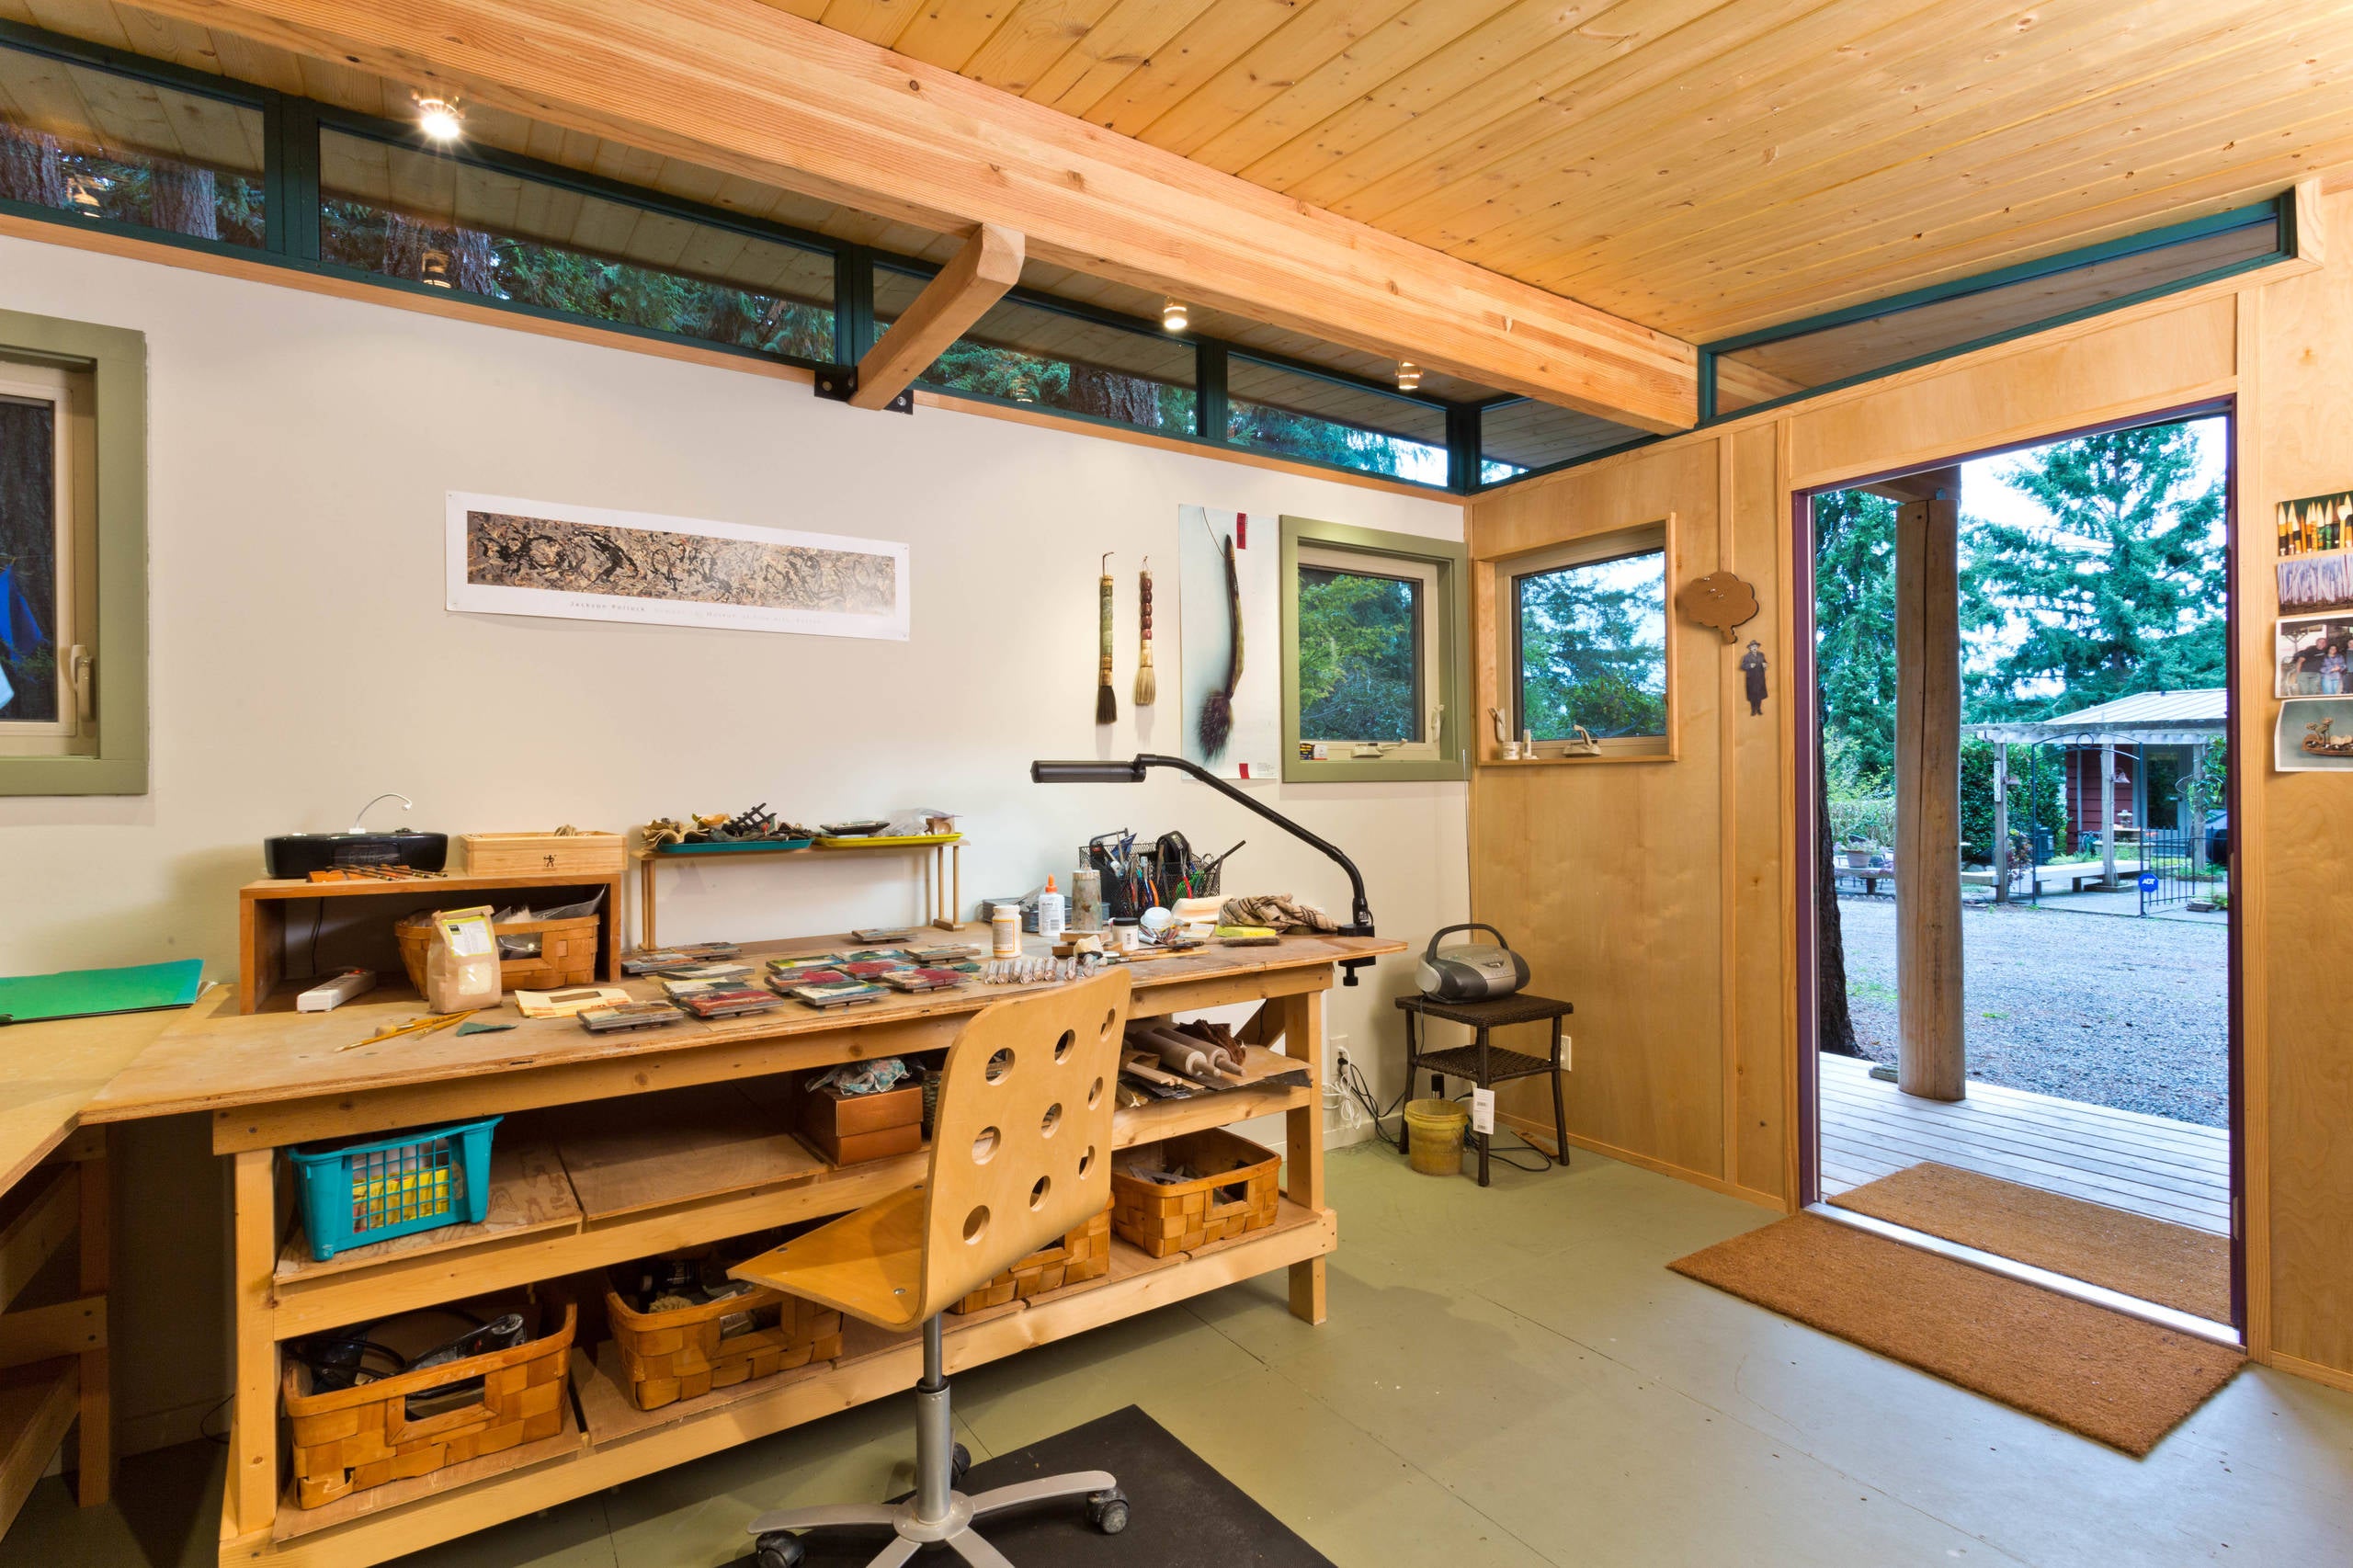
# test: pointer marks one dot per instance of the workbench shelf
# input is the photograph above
(620, 1444)
(943, 873)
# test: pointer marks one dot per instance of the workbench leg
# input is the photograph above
(1303, 1143)
(95, 1453)
(253, 1443)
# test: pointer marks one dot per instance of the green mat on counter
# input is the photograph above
(87, 992)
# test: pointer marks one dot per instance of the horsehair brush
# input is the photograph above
(1217, 713)
(1107, 701)
(1147, 683)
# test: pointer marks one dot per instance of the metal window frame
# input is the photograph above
(1449, 642)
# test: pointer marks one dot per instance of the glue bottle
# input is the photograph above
(1050, 912)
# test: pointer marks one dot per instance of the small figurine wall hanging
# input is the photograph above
(1752, 665)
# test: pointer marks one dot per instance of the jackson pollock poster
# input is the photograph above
(543, 558)
(1228, 638)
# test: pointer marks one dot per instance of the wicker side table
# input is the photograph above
(1484, 1065)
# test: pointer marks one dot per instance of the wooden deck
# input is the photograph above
(2168, 1170)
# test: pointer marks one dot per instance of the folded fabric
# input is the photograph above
(1278, 910)
(861, 1078)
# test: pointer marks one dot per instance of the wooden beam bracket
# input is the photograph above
(976, 277)
(838, 383)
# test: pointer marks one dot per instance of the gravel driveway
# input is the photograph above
(2129, 1013)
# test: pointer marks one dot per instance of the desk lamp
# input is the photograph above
(1359, 922)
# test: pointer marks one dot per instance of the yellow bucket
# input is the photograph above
(1434, 1136)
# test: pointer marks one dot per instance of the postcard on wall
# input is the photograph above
(545, 558)
(2314, 656)
(1228, 637)
(2314, 735)
(2316, 581)
(2314, 523)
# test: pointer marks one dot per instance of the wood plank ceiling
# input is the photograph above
(1702, 166)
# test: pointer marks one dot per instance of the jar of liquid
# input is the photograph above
(1004, 930)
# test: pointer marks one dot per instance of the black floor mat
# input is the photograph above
(1181, 1514)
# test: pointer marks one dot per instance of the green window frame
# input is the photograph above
(1440, 571)
(111, 753)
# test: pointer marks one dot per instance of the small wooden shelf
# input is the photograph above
(943, 874)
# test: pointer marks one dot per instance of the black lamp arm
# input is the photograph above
(1360, 910)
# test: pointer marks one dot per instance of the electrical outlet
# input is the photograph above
(1336, 1048)
(1568, 1053)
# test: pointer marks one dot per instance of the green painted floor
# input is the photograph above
(1509, 1379)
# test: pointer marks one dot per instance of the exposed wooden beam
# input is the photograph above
(743, 88)
(1931, 1052)
(989, 264)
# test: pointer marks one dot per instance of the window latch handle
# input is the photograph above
(80, 663)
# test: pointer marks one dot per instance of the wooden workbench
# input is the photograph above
(669, 1169)
(53, 1356)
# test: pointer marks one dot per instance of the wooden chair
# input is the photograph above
(1020, 1156)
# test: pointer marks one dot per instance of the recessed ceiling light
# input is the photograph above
(1409, 376)
(439, 120)
(1173, 317)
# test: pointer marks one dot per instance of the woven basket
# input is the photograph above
(1236, 1195)
(679, 1354)
(567, 952)
(1084, 1255)
(351, 1439)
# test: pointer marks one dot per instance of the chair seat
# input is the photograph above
(868, 1263)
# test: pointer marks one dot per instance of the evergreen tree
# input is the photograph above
(1356, 656)
(2121, 592)
(1593, 649)
(1854, 587)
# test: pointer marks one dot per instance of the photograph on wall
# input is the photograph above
(1227, 639)
(2312, 655)
(2316, 581)
(2314, 735)
(544, 558)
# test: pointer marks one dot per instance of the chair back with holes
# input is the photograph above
(1021, 1142)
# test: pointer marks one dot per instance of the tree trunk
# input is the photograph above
(1108, 394)
(1834, 1024)
(33, 168)
(184, 199)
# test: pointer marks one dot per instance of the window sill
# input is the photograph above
(1581, 760)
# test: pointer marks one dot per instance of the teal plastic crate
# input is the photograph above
(352, 1194)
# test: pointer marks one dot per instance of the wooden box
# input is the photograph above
(850, 1129)
(1084, 1255)
(567, 952)
(539, 854)
(351, 1439)
(1236, 1192)
(681, 1353)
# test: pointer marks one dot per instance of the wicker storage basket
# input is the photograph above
(567, 952)
(1234, 1194)
(679, 1354)
(1084, 1255)
(351, 1439)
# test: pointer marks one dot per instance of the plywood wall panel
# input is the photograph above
(1756, 875)
(2062, 380)
(2305, 408)
(1608, 875)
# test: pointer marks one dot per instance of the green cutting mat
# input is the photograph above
(86, 993)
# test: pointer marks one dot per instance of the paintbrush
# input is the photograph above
(1147, 683)
(1106, 702)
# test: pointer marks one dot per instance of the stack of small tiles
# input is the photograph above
(681, 1353)
(1231, 1191)
(349, 1440)
(1082, 1256)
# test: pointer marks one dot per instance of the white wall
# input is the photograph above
(299, 449)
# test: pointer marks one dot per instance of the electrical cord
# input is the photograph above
(1354, 1083)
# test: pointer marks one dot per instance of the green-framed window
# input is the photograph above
(73, 558)
(1376, 667)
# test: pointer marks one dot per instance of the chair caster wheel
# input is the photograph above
(959, 1463)
(778, 1548)
(1108, 1511)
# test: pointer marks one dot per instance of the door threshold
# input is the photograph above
(2027, 1274)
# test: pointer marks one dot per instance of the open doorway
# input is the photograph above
(2021, 917)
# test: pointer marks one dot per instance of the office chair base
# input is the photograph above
(1106, 1510)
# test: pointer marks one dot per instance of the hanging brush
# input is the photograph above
(1217, 713)
(1106, 702)
(1147, 683)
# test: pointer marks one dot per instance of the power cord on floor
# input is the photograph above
(1354, 1085)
